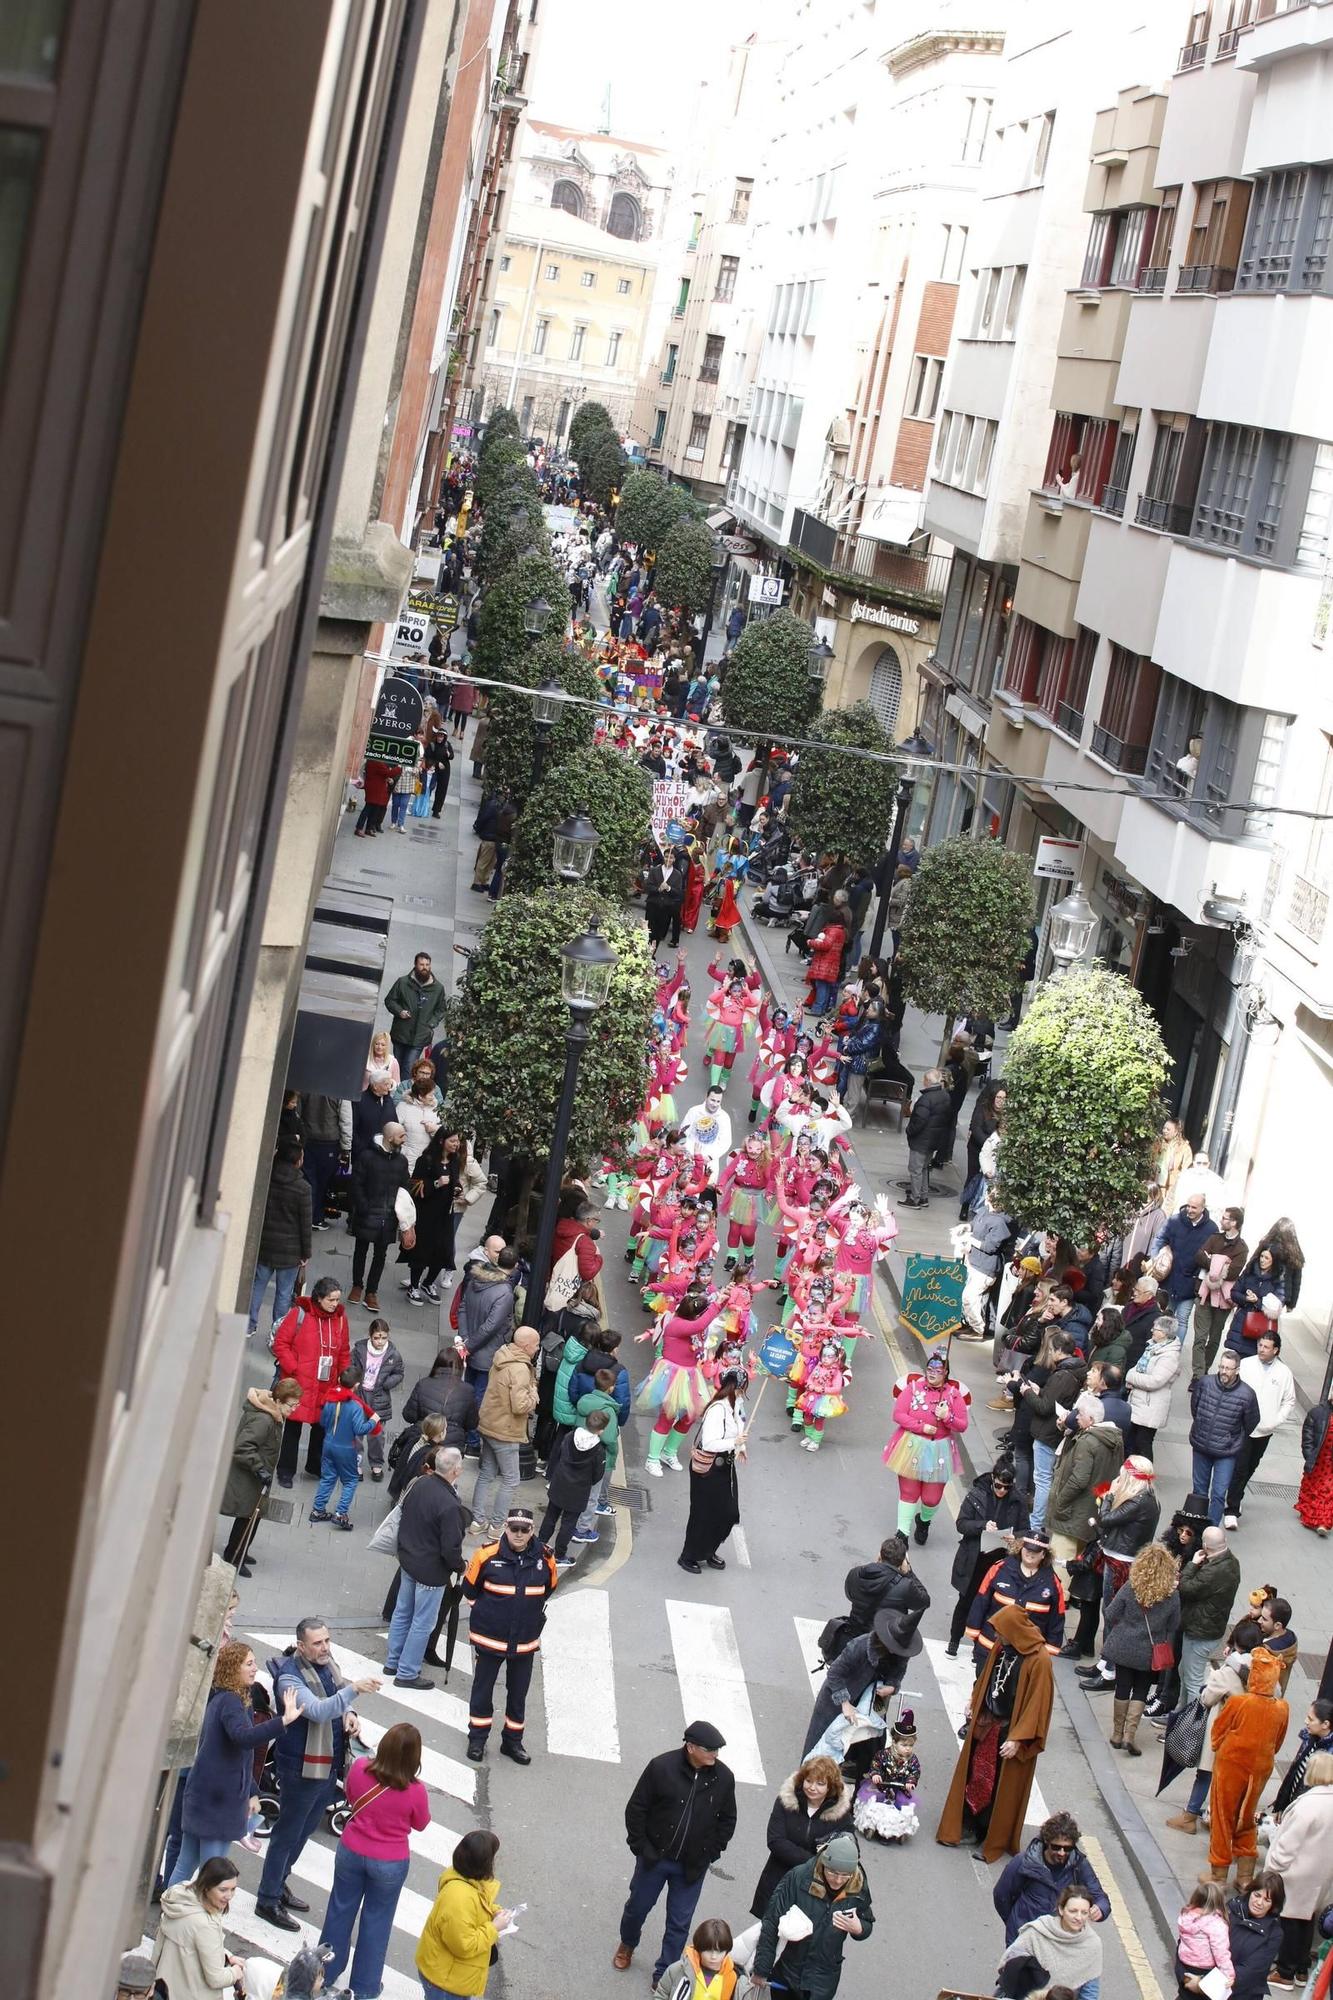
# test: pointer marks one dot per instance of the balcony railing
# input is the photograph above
(1069, 719)
(1205, 278)
(1173, 517)
(861, 557)
(1192, 55)
(1154, 278)
(1121, 756)
(707, 374)
(1113, 500)
(667, 377)
(1307, 909)
(1228, 41)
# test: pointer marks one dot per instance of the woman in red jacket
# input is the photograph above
(313, 1344)
(826, 965)
(378, 780)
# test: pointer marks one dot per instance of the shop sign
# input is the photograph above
(412, 635)
(397, 718)
(767, 590)
(1057, 860)
(892, 621)
(1123, 897)
(739, 545)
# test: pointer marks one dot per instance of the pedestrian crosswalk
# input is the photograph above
(712, 1681)
(956, 1682)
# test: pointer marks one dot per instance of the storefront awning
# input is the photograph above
(337, 1009)
(719, 517)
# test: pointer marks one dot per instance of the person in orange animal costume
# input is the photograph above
(1246, 1738)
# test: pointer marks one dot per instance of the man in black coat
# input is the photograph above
(880, 1655)
(664, 891)
(380, 1207)
(932, 1115)
(992, 1508)
(679, 1818)
(886, 1585)
(430, 1555)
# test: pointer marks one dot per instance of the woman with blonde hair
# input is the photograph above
(381, 1062)
(1142, 1621)
(809, 1809)
(219, 1788)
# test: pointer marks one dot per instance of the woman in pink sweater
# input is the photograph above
(388, 1803)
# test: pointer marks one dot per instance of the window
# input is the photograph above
(1078, 461)
(682, 299)
(1243, 489)
(539, 333)
(1167, 499)
(976, 128)
(886, 689)
(576, 343)
(1041, 130)
(1217, 231)
(673, 356)
(1013, 300)
(1239, 13)
(1153, 276)
(711, 365)
(923, 389)
(740, 202)
(1036, 665)
(988, 294)
(613, 349)
(552, 272)
(622, 287)
(953, 252)
(699, 430)
(1113, 493)
(625, 217)
(1069, 709)
(493, 327)
(727, 268)
(998, 301)
(1118, 244)
(1177, 738)
(1121, 737)
(569, 196)
(963, 449)
(659, 430)
(587, 279)
(1195, 50)
(1287, 241)
(505, 262)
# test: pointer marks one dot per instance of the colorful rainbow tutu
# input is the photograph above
(675, 1392)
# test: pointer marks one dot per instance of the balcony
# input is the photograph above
(1228, 42)
(1205, 278)
(862, 559)
(1193, 55)
(1070, 720)
(1113, 500)
(1127, 757)
(1172, 517)
(1154, 278)
(1182, 861)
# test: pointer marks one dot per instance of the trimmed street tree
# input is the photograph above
(504, 539)
(588, 419)
(602, 468)
(649, 508)
(1084, 1075)
(507, 1024)
(501, 639)
(511, 739)
(501, 423)
(616, 795)
(768, 684)
(844, 805)
(684, 573)
(497, 464)
(965, 932)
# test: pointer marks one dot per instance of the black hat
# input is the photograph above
(897, 1634)
(1022, 1975)
(1192, 1512)
(705, 1736)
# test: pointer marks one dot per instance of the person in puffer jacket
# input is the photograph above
(1030, 1883)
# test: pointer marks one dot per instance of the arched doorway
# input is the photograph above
(885, 692)
(625, 218)
(569, 196)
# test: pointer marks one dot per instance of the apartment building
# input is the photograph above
(1170, 626)
(863, 568)
(568, 297)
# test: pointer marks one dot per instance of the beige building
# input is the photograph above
(571, 281)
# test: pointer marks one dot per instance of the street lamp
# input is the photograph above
(536, 616)
(817, 656)
(915, 754)
(586, 966)
(545, 713)
(717, 563)
(576, 841)
(1073, 921)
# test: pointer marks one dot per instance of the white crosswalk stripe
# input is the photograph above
(578, 1678)
(438, 1772)
(807, 1634)
(316, 1864)
(712, 1681)
(957, 1680)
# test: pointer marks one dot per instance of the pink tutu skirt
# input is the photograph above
(722, 1039)
(741, 1205)
(674, 1392)
(931, 1460)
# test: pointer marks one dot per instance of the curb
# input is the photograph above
(1155, 1875)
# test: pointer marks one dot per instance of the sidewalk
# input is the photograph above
(1271, 1544)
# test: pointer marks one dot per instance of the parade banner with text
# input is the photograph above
(668, 811)
(932, 1299)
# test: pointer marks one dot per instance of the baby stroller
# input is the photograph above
(778, 901)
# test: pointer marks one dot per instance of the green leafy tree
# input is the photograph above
(501, 423)
(649, 509)
(965, 931)
(502, 640)
(602, 468)
(589, 419)
(505, 536)
(768, 685)
(844, 805)
(507, 1026)
(511, 739)
(497, 465)
(616, 795)
(684, 573)
(1084, 1076)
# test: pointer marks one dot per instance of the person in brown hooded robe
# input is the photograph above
(1011, 1714)
(1247, 1735)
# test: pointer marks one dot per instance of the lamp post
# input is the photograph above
(586, 966)
(916, 752)
(545, 713)
(1072, 923)
(576, 841)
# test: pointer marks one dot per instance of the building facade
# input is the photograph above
(564, 311)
